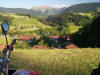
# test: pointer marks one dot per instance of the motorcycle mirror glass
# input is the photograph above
(5, 26)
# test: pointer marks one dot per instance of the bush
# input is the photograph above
(46, 41)
(22, 45)
(8, 19)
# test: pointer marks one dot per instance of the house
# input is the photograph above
(63, 42)
(71, 46)
(58, 40)
(57, 37)
(25, 38)
(40, 47)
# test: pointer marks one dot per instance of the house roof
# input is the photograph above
(25, 38)
(71, 46)
(57, 37)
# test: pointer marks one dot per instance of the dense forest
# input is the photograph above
(65, 18)
(89, 35)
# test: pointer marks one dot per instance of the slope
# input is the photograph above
(20, 11)
(83, 7)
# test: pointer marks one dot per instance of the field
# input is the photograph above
(90, 15)
(57, 62)
(22, 24)
(73, 28)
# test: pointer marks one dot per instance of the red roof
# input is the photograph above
(57, 37)
(25, 38)
(40, 47)
(71, 46)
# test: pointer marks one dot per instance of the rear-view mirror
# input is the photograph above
(5, 27)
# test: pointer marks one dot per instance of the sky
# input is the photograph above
(52, 3)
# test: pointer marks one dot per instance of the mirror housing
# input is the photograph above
(5, 27)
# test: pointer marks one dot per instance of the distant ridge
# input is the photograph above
(46, 9)
(20, 11)
(83, 7)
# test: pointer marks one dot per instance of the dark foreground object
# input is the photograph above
(10, 72)
(96, 71)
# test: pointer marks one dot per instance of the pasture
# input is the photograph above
(56, 62)
(73, 28)
(22, 24)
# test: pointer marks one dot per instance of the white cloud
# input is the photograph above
(60, 5)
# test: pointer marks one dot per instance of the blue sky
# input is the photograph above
(31, 3)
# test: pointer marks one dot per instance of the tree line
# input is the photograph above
(89, 35)
(65, 18)
(84, 7)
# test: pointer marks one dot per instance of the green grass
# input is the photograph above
(3, 40)
(24, 24)
(27, 26)
(90, 15)
(57, 62)
(73, 28)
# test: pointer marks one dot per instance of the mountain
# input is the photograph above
(83, 7)
(46, 10)
(61, 10)
(20, 11)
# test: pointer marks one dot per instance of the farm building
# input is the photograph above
(63, 42)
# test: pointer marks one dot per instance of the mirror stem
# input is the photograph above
(6, 40)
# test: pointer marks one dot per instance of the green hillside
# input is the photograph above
(73, 28)
(23, 24)
(66, 23)
(20, 11)
(83, 7)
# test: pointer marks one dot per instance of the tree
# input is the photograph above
(89, 35)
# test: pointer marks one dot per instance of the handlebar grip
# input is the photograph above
(13, 42)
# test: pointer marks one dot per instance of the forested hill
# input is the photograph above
(84, 7)
(20, 11)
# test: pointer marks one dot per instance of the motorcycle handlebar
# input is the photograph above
(9, 47)
(13, 42)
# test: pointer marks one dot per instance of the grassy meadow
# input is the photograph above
(73, 28)
(57, 62)
(22, 24)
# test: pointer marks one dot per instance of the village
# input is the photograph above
(66, 44)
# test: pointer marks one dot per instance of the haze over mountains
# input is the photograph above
(20, 11)
(83, 7)
(46, 10)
